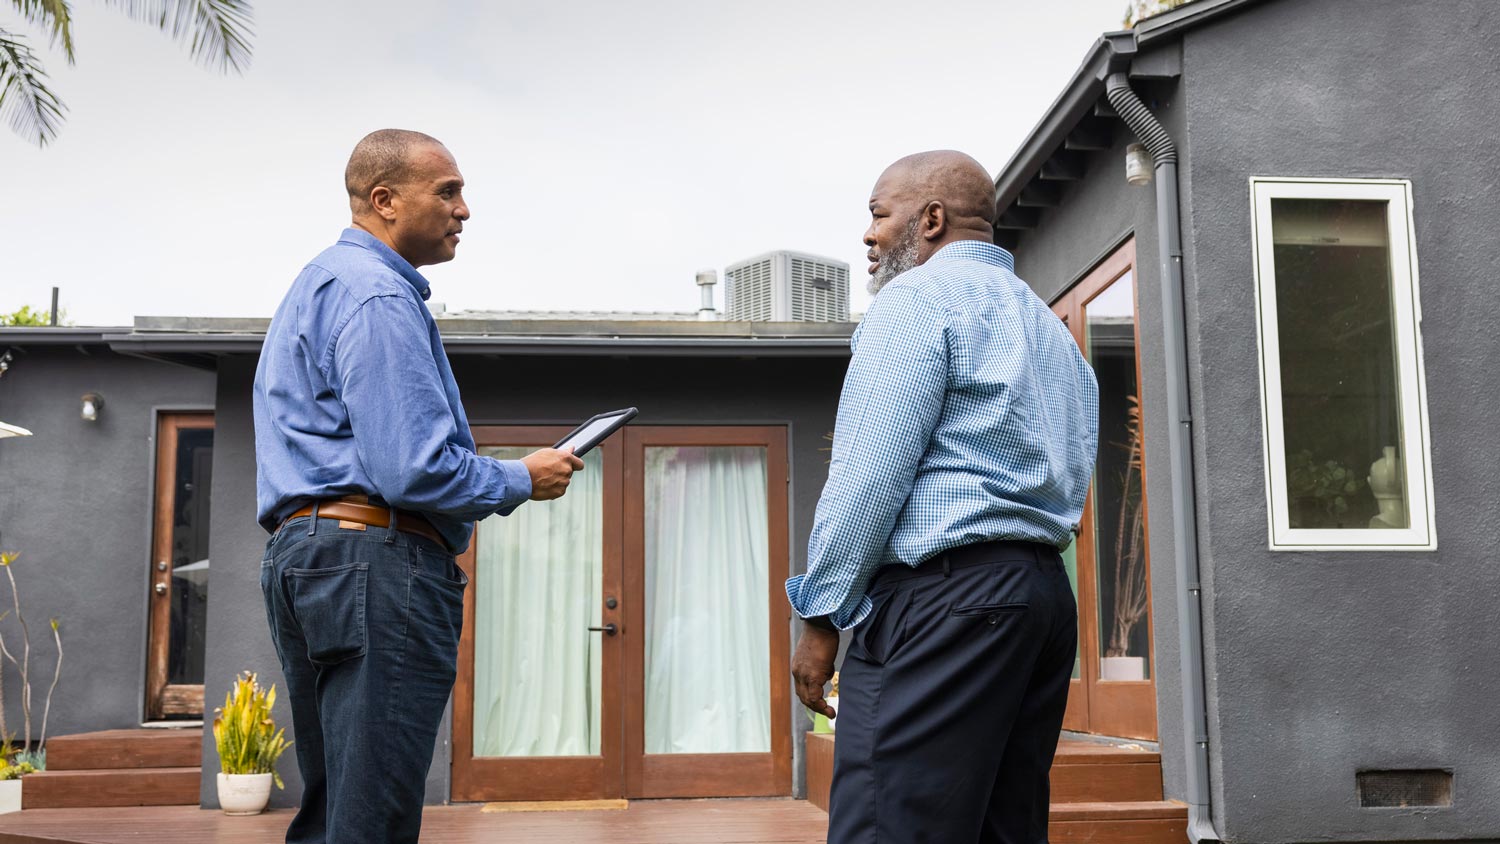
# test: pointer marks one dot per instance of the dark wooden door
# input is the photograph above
(1114, 686)
(651, 684)
(178, 582)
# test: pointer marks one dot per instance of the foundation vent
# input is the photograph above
(1405, 789)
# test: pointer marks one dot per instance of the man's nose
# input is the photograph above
(869, 238)
(461, 211)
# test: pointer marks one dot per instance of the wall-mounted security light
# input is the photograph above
(5, 360)
(1137, 165)
(92, 404)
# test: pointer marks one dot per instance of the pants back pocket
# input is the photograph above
(330, 608)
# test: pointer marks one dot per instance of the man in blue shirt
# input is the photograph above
(368, 480)
(962, 457)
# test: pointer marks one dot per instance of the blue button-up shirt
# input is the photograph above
(968, 414)
(354, 395)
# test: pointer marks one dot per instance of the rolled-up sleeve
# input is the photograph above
(382, 369)
(891, 402)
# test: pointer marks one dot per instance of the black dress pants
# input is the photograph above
(951, 699)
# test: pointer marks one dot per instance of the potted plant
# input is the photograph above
(17, 760)
(249, 745)
(10, 776)
(1131, 599)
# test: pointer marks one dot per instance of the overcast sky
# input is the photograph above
(611, 149)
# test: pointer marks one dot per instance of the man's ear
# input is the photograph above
(381, 199)
(934, 220)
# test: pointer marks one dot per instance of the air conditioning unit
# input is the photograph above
(787, 287)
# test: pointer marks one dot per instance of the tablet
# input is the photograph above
(596, 430)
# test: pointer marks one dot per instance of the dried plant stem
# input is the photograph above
(25, 664)
(56, 675)
(1131, 597)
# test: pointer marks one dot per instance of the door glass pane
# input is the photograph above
(537, 590)
(1119, 507)
(707, 642)
(1070, 562)
(1339, 398)
(195, 459)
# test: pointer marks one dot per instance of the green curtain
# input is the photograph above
(536, 666)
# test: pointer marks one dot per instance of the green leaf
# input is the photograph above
(26, 103)
(218, 31)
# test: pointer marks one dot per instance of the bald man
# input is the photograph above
(368, 482)
(962, 455)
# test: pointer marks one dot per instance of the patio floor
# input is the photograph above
(644, 822)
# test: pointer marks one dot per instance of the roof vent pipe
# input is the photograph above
(706, 281)
(1179, 445)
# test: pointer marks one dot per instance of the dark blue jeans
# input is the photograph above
(366, 623)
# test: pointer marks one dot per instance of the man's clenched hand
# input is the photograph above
(551, 470)
(812, 666)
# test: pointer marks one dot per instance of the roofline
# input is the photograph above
(61, 336)
(831, 345)
(1112, 52)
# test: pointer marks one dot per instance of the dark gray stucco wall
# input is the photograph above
(801, 394)
(76, 502)
(1096, 215)
(1322, 664)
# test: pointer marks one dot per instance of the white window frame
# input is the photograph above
(1411, 389)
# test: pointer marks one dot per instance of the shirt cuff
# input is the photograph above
(517, 485)
(841, 620)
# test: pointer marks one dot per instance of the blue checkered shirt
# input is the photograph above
(968, 414)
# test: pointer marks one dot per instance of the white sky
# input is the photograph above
(611, 149)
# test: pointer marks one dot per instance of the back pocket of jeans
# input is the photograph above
(330, 608)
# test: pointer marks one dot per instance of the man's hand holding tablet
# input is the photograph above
(552, 468)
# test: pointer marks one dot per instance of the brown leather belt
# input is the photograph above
(347, 510)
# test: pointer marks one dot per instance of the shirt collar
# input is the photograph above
(976, 250)
(388, 256)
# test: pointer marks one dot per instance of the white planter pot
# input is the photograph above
(244, 794)
(1122, 668)
(10, 796)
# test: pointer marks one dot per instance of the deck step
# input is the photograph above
(1091, 773)
(116, 749)
(122, 787)
(1131, 822)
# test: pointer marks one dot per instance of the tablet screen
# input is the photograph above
(588, 432)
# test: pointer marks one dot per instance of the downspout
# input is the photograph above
(1179, 443)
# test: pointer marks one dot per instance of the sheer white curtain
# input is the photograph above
(707, 646)
(536, 666)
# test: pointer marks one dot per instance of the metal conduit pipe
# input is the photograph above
(1179, 443)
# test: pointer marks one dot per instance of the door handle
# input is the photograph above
(608, 629)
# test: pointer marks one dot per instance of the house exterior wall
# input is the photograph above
(1096, 215)
(76, 502)
(1325, 663)
(799, 393)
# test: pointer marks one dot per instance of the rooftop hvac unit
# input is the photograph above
(787, 287)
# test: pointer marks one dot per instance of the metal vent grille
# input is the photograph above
(820, 291)
(748, 294)
(1405, 789)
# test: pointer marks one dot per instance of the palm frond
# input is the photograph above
(218, 31)
(56, 16)
(26, 103)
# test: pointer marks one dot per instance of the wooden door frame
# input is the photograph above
(709, 775)
(545, 777)
(164, 698)
(1124, 708)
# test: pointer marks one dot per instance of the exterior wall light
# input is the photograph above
(92, 404)
(1137, 165)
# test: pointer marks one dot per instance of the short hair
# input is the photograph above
(382, 157)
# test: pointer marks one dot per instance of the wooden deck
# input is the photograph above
(644, 822)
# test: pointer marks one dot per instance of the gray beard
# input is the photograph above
(901, 259)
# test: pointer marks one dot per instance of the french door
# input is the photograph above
(178, 616)
(1114, 687)
(630, 638)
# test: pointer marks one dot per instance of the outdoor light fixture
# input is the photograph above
(1137, 165)
(5, 360)
(92, 404)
